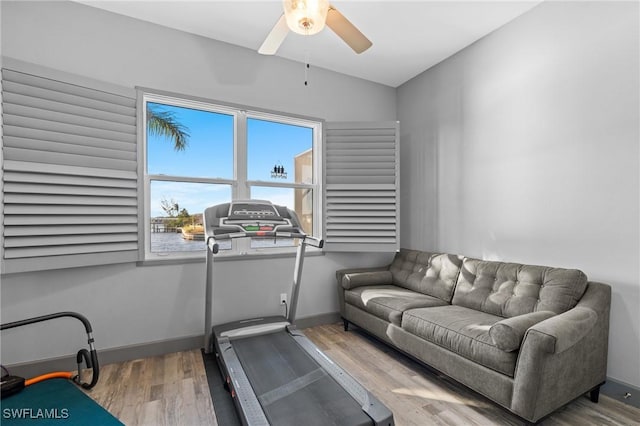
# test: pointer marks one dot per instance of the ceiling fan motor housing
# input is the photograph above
(306, 17)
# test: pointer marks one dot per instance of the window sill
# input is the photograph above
(224, 258)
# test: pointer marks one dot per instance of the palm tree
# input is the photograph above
(163, 123)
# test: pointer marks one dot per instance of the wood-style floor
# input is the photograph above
(173, 389)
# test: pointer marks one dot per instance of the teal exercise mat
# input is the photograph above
(54, 402)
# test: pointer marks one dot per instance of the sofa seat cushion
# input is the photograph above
(388, 302)
(463, 331)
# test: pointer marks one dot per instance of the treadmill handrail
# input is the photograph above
(216, 229)
(212, 241)
(261, 234)
(314, 241)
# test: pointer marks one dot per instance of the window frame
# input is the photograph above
(239, 183)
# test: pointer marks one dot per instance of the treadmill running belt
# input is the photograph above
(290, 385)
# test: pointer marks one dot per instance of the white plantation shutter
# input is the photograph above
(361, 187)
(69, 172)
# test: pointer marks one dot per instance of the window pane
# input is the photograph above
(189, 142)
(176, 214)
(299, 200)
(303, 206)
(278, 152)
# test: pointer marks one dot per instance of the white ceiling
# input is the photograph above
(408, 36)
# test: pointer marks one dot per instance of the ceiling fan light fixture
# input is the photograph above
(306, 17)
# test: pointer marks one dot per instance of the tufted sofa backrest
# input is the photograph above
(510, 289)
(425, 272)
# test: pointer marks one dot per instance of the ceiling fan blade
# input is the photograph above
(275, 38)
(347, 31)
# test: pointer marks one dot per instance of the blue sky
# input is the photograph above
(209, 153)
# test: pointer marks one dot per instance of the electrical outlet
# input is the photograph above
(283, 298)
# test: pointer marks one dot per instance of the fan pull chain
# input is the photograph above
(306, 68)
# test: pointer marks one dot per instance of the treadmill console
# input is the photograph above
(252, 218)
(252, 211)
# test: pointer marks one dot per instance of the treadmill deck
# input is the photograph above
(291, 387)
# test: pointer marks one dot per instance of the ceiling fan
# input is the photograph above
(308, 17)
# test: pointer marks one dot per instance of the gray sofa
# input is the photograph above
(530, 338)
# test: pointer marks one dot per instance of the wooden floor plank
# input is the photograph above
(173, 389)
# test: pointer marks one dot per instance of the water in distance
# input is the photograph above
(166, 242)
(163, 242)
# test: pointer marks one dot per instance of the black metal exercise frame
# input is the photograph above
(90, 357)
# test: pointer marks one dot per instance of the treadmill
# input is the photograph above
(275, 374)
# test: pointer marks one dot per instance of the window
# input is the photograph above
(280, 169)
(199, 154)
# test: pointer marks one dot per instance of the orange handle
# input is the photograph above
(56, 375)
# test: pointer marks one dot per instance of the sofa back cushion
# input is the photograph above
(510, 289)
(427, 273)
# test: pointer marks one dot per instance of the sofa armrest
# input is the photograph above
(564, 331)
(564, 356)
(358, 279)
(340, 274)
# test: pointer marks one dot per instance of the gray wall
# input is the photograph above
(131, 305)
(524, 147)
